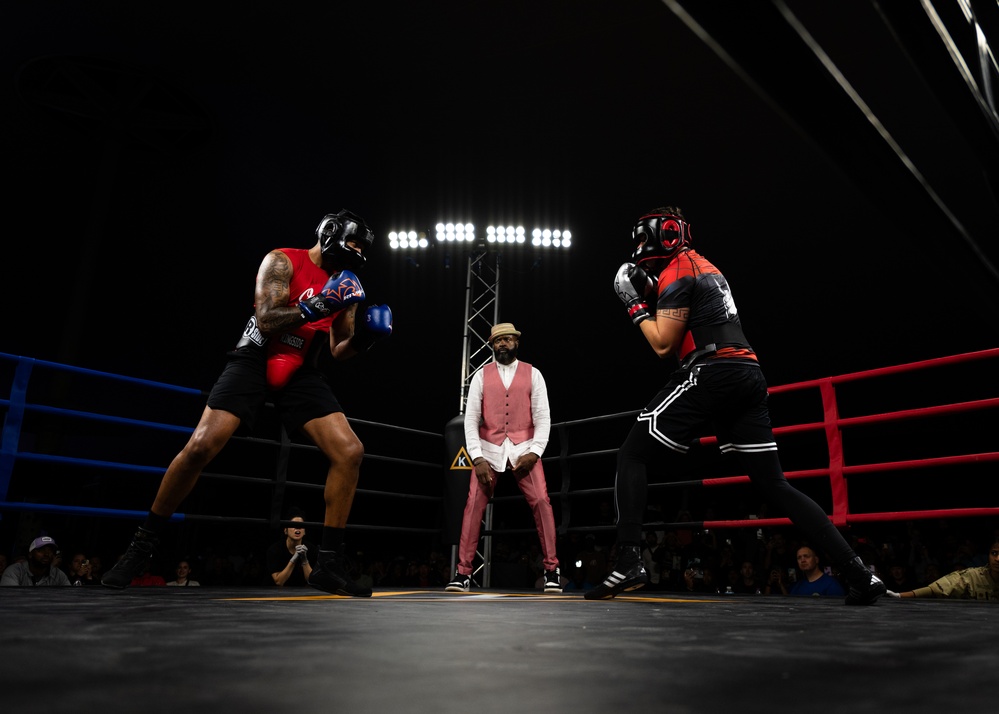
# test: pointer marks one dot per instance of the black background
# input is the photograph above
(199, 137)
(136, 236)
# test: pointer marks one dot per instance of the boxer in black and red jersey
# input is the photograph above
(719, 383)
(305, 302)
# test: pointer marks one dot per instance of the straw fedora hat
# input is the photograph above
(503, 328)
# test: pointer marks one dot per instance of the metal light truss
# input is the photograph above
(482, 284)
(481, 313)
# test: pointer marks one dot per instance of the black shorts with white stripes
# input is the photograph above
(728, 395)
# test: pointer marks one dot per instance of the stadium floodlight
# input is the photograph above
(540, 237)
(455, 232)
(551, 238)
(462, 234)
(505, 234)
(408, 240)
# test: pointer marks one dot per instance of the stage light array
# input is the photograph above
(403, 240)
(457, 233)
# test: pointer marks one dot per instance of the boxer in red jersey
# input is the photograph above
(287, 351)
(305, 301)
(719, 383)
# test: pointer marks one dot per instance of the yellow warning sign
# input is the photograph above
(461, 461)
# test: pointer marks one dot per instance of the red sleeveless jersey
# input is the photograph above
(286, 352)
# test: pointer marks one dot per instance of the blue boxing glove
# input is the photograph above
(340, 290)
(375, 324)
(632, 284)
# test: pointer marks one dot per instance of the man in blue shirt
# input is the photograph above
(815, 582)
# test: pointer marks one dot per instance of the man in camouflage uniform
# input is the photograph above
(981, 583)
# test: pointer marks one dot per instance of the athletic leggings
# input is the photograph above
(731, 396)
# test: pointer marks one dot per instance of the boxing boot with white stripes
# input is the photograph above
(865, 586)
(628, 574)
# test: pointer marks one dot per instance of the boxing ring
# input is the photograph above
(75, 454)
(94, 422)
(64, 425)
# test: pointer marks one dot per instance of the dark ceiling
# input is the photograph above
(838, 162)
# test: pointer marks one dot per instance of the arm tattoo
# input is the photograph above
(272, 294)
(675, 313)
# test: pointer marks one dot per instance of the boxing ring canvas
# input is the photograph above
(209, 649)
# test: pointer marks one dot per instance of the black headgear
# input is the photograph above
(664, 234)
(335, 230)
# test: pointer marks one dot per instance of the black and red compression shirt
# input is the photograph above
(691, 281)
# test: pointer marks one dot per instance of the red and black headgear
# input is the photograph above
(659, 235)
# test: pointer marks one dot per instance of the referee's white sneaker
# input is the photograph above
(460, 584)
(553, 581)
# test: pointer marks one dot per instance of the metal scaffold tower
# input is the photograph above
(481, 313)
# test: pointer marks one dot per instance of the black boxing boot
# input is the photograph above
(628, 574)
(865, 586)
(330, 575)
(133, 563)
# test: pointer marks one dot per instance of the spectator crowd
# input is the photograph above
(743, 561)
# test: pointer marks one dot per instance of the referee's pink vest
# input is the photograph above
(506, 412)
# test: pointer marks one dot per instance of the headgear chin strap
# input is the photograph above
(335, 230)
(659, 236)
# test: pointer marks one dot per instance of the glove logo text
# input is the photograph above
(252, 333)
(292, 340)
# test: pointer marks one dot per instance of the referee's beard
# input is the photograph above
(505, 355)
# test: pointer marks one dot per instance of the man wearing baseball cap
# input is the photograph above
(37, 569)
